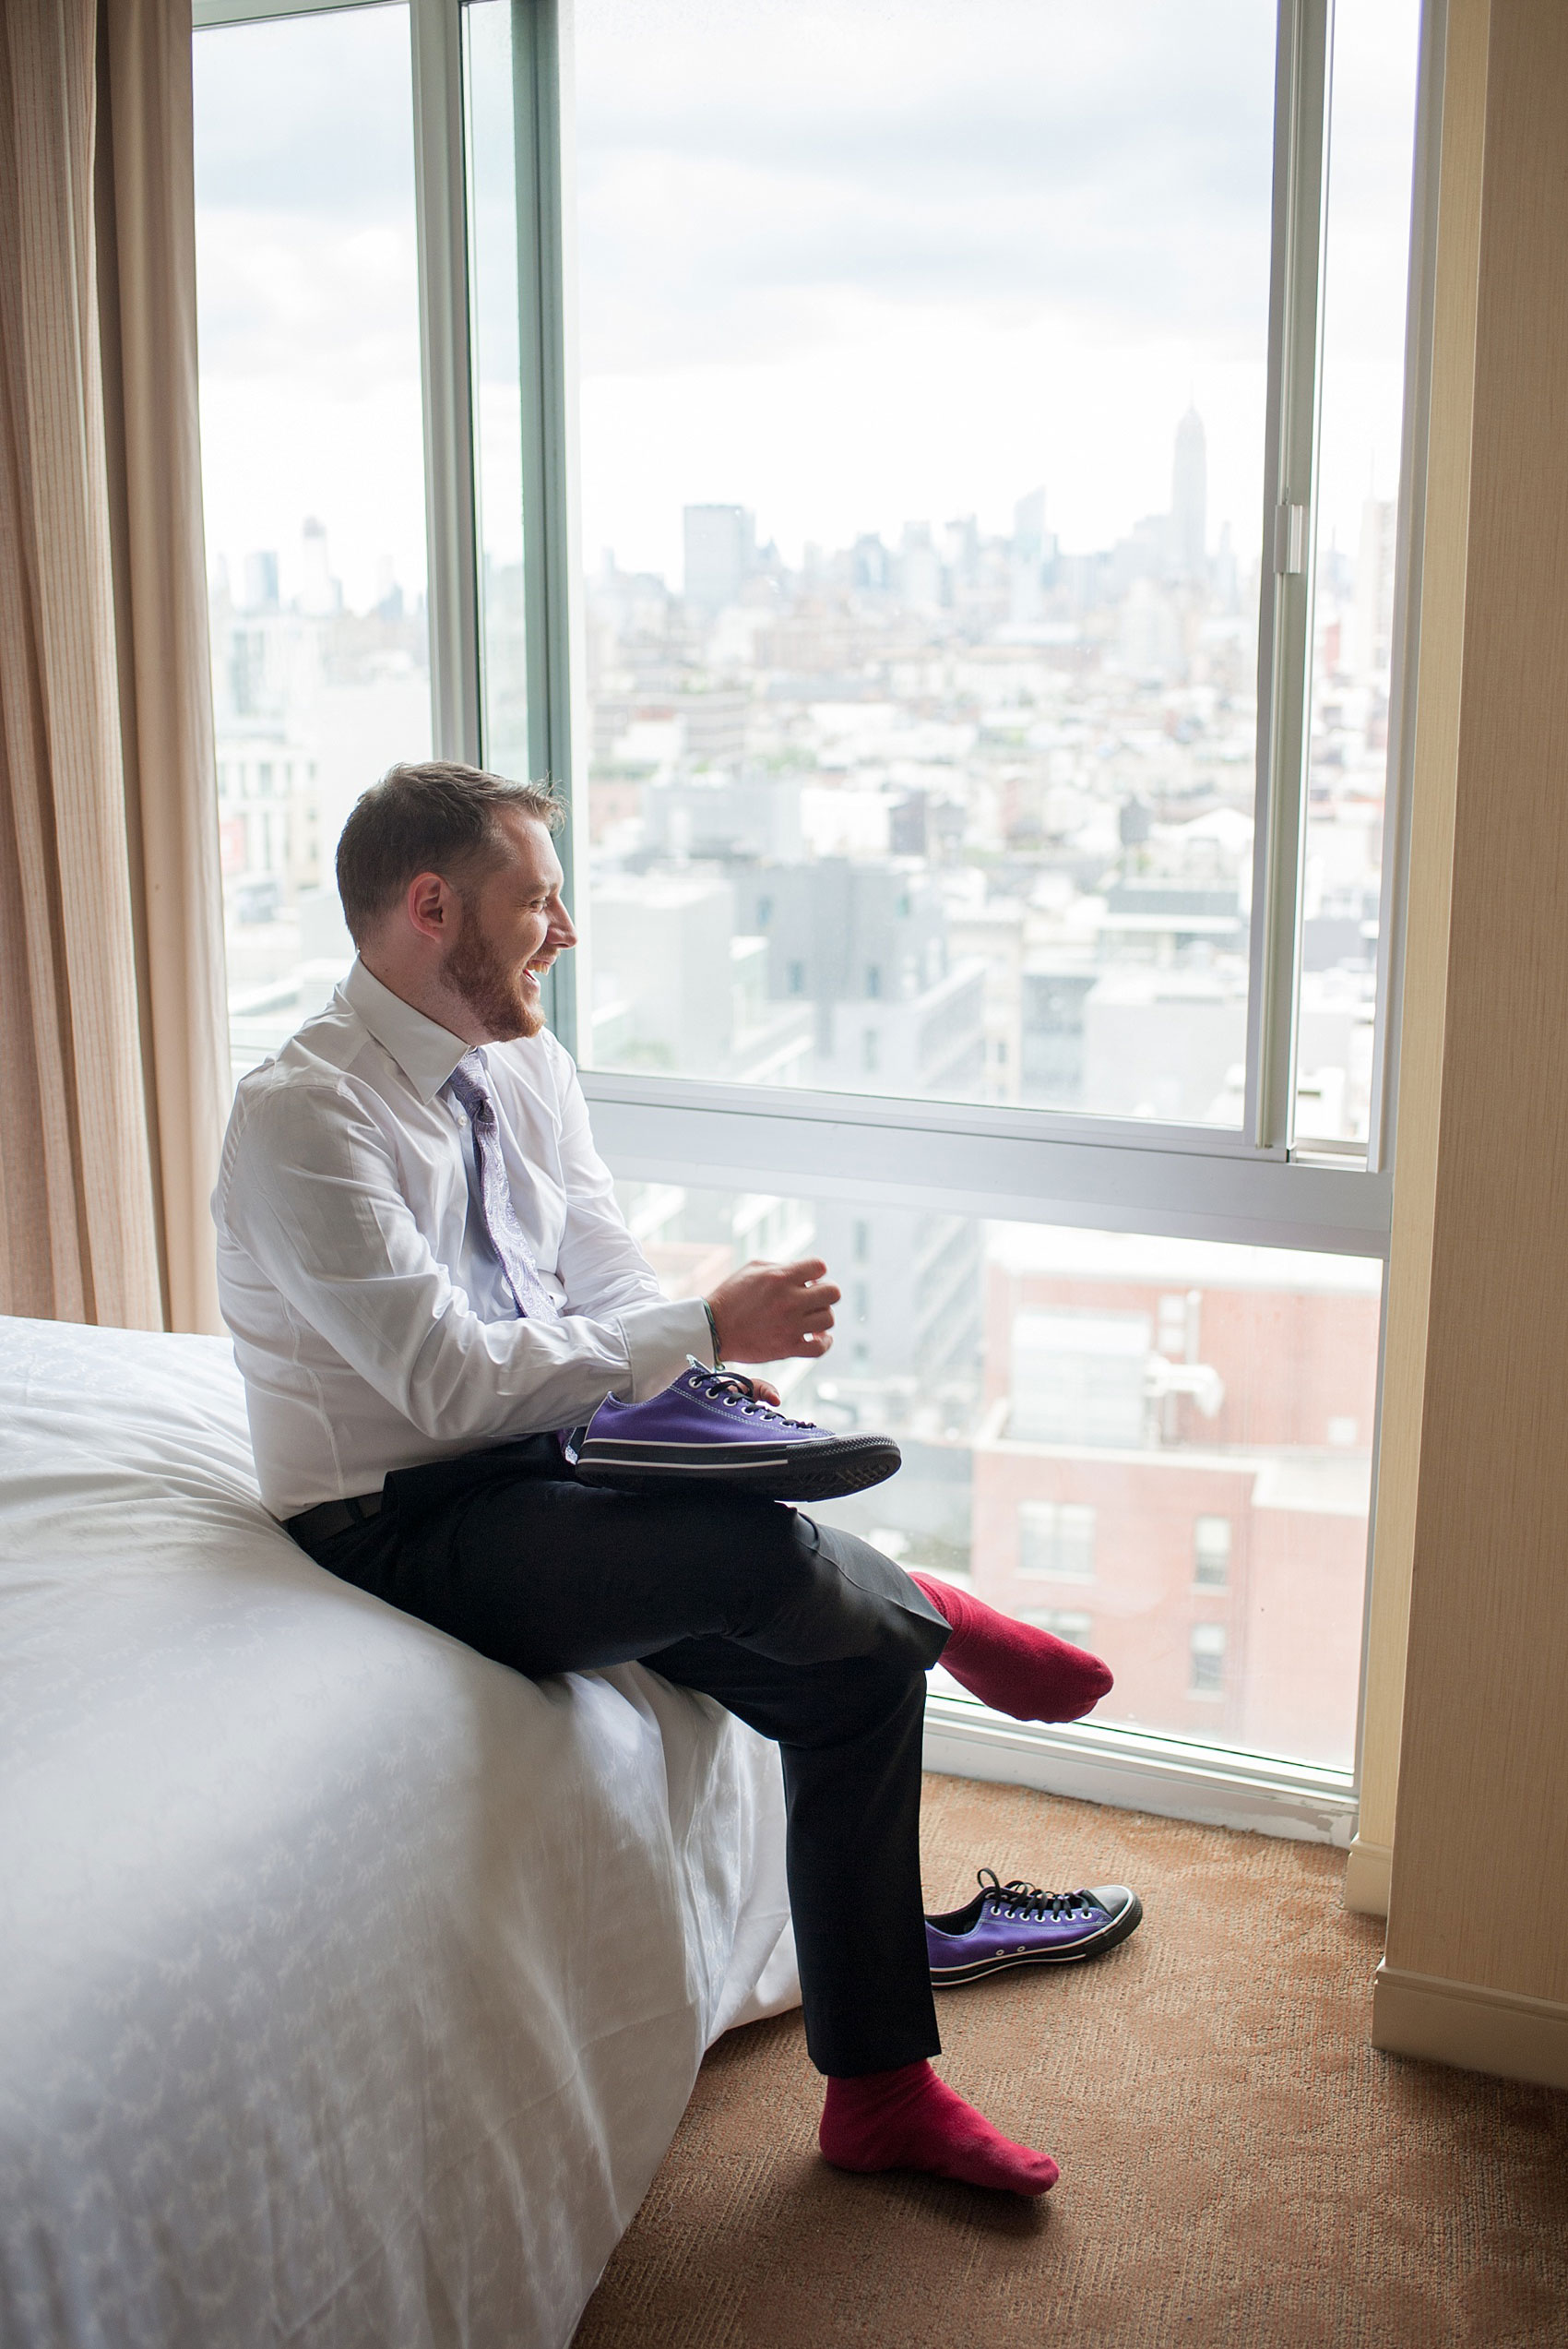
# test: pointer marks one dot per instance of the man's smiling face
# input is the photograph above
(513, 927)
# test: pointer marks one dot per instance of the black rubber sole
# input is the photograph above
(1118, 1930)
(793, 1473)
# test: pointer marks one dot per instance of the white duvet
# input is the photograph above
(350, 1987)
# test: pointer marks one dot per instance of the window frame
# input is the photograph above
(1251, 1185)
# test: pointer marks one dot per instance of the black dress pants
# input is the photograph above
(810, 1635)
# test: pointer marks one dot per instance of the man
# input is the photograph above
(427, 1279)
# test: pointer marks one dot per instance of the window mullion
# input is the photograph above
(541, 52)
(446, 363)
(1300, 180)
(1411, 528)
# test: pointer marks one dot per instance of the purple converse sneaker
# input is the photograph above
(1017, 1924)
(709, 1424)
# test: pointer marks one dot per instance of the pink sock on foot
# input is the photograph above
(908, 2119)
(1012, 1666)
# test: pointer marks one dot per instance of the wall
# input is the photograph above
(1476, 1966)
(1446, 528)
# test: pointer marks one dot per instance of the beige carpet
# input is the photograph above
(1240, 2169)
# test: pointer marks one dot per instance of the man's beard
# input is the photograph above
(492, 990)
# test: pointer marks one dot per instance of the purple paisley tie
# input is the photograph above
(467, 1087)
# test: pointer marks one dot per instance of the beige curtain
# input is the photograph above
(112, 1035)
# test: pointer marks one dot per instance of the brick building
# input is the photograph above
(1173, 1468)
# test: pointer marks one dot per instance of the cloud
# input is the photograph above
(327, 303)
(306, 264)
(847, 261)
(739, 167)
(311, 115)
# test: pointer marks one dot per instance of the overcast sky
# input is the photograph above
(850, 265)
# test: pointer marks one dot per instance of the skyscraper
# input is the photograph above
(1372, 615)
(1189, 499)
(720, 546)
(261, 582)
(320, 594)
(1028, 526)
(1025, 601)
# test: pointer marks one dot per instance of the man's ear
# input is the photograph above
(431, 907)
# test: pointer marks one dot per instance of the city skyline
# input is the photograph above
(299, 573)
(310, 355)
(1060, 746)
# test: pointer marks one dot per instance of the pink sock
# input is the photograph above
(908, 2119)
(1011, 1666)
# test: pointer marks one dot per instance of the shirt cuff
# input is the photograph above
(659, 1337)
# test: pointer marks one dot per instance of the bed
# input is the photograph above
(352, 1985)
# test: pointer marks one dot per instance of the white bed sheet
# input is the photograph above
(350, 1987)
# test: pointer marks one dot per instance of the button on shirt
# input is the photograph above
(371, 1316)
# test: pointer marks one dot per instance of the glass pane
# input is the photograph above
(924, 359)
(493, 251)
(1371, 153)
(1184, 1490)
(312, 473)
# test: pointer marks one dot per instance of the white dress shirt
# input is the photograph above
(371, 1317)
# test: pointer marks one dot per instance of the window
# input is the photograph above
(1056, 1541)
(313, 474)
(1065, 1622)
(977, 816)
(1206, 1648)
(1211, 1552)
(908, 421)
(1033, 1521)
(1179, 1326)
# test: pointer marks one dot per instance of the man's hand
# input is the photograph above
(767, 1312)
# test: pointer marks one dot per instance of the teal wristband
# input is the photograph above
(713, 1333)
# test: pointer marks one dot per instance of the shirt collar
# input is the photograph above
(426, 1054)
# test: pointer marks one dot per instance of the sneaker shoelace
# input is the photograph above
(1020, 1900)
(732, 1387)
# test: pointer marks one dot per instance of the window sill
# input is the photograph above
(1133, 1769)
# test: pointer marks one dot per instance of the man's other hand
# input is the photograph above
(768, 1312)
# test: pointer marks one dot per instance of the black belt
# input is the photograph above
(320, 1523)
